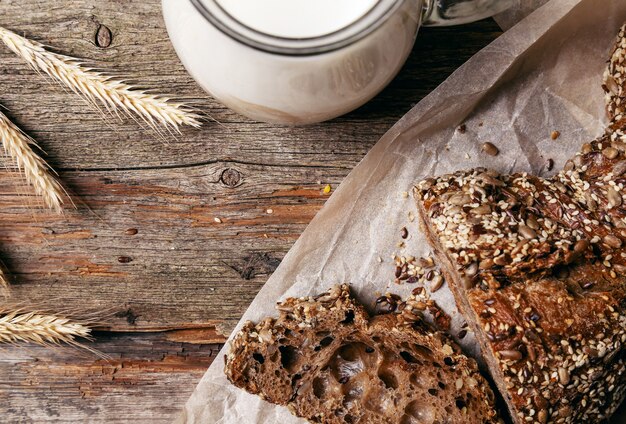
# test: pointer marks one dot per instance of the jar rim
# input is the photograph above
(369, 22)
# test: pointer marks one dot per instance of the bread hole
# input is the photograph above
(419, 412)
(389, 379)
(347, 361)
(349, 419)
(258, 357)
(424, 352)
(449, 361)
(460, 403)
(441, 385)
(288, 357)
(326, 341)
(295, 379)
(352, 395)
(319, 387)
(433, 392)
(377, 340)
(277, 373)
(349, 317)
(369, 350)
(408, 357)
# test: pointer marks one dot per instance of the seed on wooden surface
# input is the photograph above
(269, 211)
(554, 135)
(490, 149)
(327, 189)
(437, 283)
(404, 233)
(527, 232)
(613, 197)
(511, 355)
(124, 259)
(131, 231)
(610, 152)
(549, 164)
(218, 220)
(612, 241)
(564, 376)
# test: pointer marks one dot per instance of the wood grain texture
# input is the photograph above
(189, 278)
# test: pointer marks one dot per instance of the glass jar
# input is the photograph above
(304, 61)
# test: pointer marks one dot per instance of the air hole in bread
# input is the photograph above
(288, 357)
(326, 341)
(319, 387)
(449, 361)
(408, 357)
(347, 361)
(419, 412)
(423, 351)
(460, 403)
(258, 357)
(349, 317)
(388, 378)
(441, 385)
(433, 392)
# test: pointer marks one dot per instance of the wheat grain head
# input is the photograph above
(18, 146)
(95, 87)
(19, 326)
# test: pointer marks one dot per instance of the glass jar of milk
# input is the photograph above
(304, 61)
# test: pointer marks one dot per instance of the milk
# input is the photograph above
(293, 88)
(305, 18)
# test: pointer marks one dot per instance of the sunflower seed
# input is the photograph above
(511, 355)
(490, 149)
(437, 283)
(527, 232)
(610, 152)
(613, 197)
(612, 241)
(619, 168)
(563, 376)
(481, 210)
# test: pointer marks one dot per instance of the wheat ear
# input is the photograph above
(18, 146)
(18, 326)
(4, 282)
(94, 86)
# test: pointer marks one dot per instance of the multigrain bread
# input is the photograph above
(329, 362)
(538, 267)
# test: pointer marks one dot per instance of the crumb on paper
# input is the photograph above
(462, 128)
(327, 189)
(467, 156)
(405, 194)
(555, 134)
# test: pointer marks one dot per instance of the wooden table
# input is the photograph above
(189, 278)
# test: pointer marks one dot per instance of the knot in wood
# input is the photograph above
(230, 177)
(103, 37)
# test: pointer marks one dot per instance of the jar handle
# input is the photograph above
(454, 12)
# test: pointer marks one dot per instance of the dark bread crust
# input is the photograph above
(538, 266)
(329, 362)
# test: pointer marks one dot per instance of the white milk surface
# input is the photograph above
(297, 18)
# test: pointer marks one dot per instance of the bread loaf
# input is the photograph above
(538, 267)
(329, 362)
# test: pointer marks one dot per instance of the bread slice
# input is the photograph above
(329, 362)
(538, 267)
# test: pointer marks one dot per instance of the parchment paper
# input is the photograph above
(544, 74)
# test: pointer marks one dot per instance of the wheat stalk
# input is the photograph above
(18, 326)
(94, 86)
(17, 146)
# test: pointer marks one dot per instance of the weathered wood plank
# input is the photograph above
(188, 274)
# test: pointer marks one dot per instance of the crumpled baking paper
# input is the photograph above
(542, 75)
